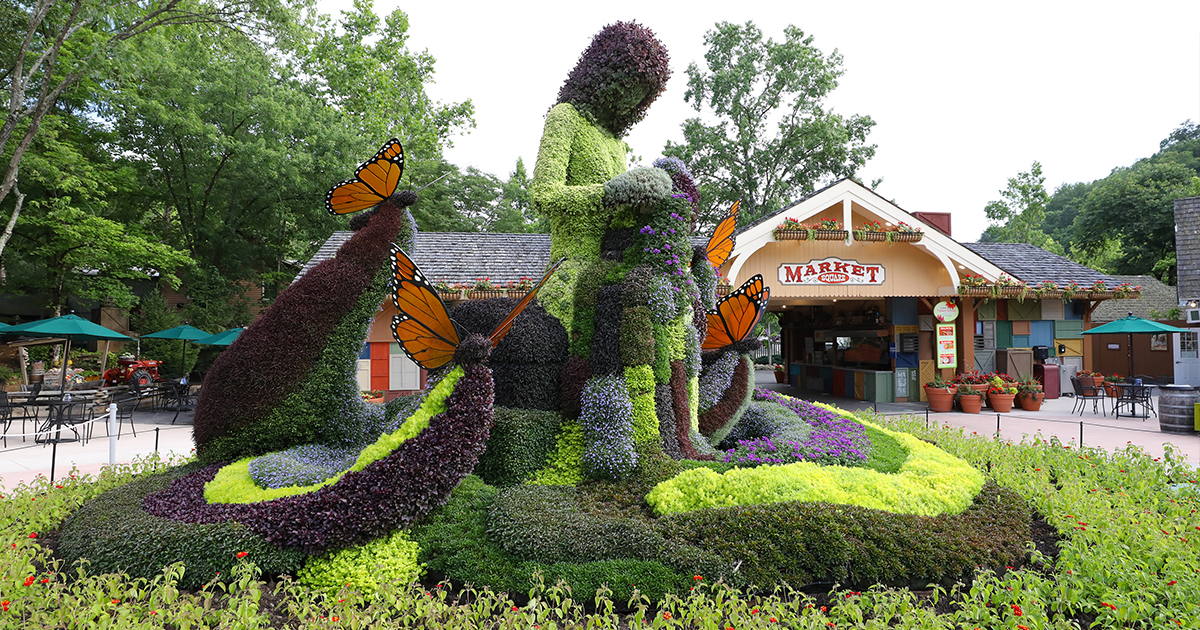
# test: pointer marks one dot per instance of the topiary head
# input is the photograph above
(473, 349)
(618, 76)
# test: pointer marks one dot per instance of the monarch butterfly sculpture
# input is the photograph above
(736, 315)
(424, 328)
(374, 181)
(720, 244)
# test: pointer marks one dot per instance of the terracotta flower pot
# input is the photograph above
(941, 399)
(781, 377)
(1031, 402)
(1001, 403)
(1111, 390)
(971, 403)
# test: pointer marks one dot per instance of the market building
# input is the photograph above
(857, 307)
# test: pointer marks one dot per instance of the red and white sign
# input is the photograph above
(945, 311)
(831, 271)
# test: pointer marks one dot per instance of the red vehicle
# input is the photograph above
(140, 372)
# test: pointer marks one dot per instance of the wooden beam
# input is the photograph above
(927, 303)
(966, 336)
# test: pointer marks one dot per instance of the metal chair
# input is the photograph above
(125, 406)
(181, 397)
(10, 412)
(1084, 394)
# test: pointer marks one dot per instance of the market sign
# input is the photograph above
(947, 346)
(831, 271)
(945, 311)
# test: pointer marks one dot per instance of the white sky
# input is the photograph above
(965, 95)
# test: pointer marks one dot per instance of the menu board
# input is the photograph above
(946, 347)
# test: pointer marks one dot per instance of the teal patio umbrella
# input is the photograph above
(184, 333)
(68, 327)
(221, 338)
(1130, 326)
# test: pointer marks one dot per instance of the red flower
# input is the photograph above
(514, 609)
(1020, 627)
(1108, 605)
(33, 535)
(666, 615)
(45, 580)
(1172, 583)
(335, 618)
(29, 580)
(697, 578)
(1017, 610)
(243, 554)
(4, 604)
(773, 620)
(116, 601)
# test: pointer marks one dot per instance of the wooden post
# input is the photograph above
(1090, 341)
(966, 334)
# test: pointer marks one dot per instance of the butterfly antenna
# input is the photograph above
(444, 176)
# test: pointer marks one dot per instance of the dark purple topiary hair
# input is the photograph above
(622, 57)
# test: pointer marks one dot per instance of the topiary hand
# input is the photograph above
(641, 186)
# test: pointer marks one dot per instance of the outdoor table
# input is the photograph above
(1132, 396)
(60, 415)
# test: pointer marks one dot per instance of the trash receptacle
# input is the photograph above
(1048, 375)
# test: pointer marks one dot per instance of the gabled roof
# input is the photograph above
(1156, 296)
(458, 257)
(950, 253)
(1033, 265)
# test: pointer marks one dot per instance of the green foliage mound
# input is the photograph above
(799, 543)
(455, 545)
(389, 559)
(115, 535)
(519, 445)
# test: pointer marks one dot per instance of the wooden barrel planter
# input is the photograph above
(1177, 409)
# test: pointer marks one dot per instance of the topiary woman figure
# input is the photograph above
(627, 293)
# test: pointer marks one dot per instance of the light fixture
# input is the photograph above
(961, 267)
(834, 299)
(1193, 304)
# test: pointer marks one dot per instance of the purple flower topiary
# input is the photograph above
(607, 420)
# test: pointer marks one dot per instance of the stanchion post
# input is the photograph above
(1081, 434)
(53, 457)
(156, 439)
(927, 418)
(997, 426)
(112, 434)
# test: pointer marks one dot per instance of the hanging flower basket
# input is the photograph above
(907, 237)
(484, 294)
(516, 293)
(830, 235)
(876, 237)
(723, 289)
(790, 235)
(451, 296)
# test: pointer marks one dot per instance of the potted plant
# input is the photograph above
(905, 233)
(1001, 394)
(1030, 395)
(1088, 378)
(940, 394)
(970, 400)
(372, 395)
(780, 373)
(1110, 384)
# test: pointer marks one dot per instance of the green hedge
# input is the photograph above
(520, 443)
(800, 543)
(455, 545)
(116, 535)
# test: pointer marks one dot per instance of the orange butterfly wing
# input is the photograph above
(507, 323)
(720, 244)
(374, 181)
(736, 315)
(423, 328)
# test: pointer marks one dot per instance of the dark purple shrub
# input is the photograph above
(721, 414)
(272, 357)
(682, 411)
(664, 405)
(575, 373)
(529, 360)
(606, 348)
(390, 493)
(622, 57)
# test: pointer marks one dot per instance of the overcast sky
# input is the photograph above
(965, 95)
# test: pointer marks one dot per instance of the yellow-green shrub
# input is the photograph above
(565, 464)
(389, 559)
(930, 482)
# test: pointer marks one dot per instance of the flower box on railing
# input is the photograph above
(451, 296)
(876, 237)
(830, 235)
(790, 235)
(907, 237)
(723, 289)
(484, 294)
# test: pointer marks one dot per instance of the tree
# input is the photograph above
(50, 45)
(1018, 217)
(750, 84)
(515, 212)
(1135, 206)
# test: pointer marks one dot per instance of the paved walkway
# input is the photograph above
(24, 461)
(1053, 419)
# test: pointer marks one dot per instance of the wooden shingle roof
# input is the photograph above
(1033, 265)
(459, 257)
(1156, 297)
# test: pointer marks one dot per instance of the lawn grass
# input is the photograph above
(1129, 557)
